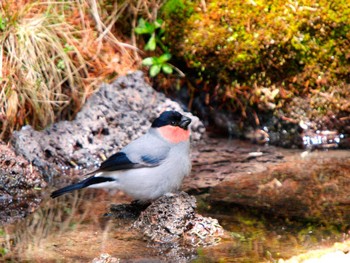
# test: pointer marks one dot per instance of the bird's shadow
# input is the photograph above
(127, 211)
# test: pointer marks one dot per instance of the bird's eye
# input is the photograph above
(173, 123)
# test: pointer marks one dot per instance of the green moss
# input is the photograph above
(176, 8)
(295, 46)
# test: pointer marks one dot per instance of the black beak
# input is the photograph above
(185, 121)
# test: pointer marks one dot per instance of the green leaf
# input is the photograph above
(148, 61)
(164, 58)
(144, 27)
(167, 69)
(156, 61)
(151, 44)
(2, 23)
(141, 27)
(150, 28)
(154, 70)
(158, 23)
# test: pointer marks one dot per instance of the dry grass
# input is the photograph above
(52, 55)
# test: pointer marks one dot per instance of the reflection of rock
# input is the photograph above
(315, 187)
(111, 118)
(172, 219)
(19, 185)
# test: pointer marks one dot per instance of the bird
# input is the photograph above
(149, 167)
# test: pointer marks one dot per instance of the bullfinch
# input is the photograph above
(148, 167)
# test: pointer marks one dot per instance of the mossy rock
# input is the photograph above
(261, 54)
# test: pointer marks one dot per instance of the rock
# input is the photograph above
(20, 185)
(166, 219)
(219, 160)
(314, 187)
(113, 116)
(171, 219)
(170, 225)
(204, 231)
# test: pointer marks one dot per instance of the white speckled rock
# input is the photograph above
(112, 117)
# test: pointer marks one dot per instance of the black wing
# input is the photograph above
(118, 161)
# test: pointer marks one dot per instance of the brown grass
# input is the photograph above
(52, 55)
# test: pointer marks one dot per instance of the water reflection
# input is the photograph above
(258, 237)
(72, 228)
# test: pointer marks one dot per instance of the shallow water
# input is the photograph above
(75, 228)
(260, 237)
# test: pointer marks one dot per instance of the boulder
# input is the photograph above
(311, 188)
(20, 185)
(171, 219)
(112, 117)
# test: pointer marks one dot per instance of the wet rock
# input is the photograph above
(171, 219)
(170, 226)
(20, 185)
(113, 116)
(219, 160)
(166, 219)
(314, 187)
(203, 231)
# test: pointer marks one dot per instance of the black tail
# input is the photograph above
(85, 183)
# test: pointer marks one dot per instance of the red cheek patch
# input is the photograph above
(174, 134)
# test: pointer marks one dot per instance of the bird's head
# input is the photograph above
(173, 126)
